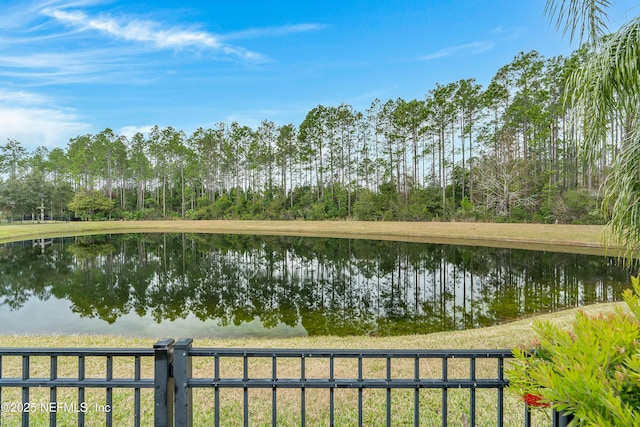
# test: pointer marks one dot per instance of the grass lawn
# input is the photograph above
(500, 336)
(556, 237)
(317, 406)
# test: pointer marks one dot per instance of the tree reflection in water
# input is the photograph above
(329, 286)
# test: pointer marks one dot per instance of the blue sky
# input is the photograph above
(70, 67)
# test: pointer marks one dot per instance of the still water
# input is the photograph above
(199, 285)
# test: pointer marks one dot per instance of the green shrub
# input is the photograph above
(220, 208)
(591, 371)
(369, 206)
(577, 207)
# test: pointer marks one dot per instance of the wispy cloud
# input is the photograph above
(46, 68)
(510, 33)
(463, 49)
(22, 98)
(281, 30)
(55, 44)
(48, 42)
(150, 32)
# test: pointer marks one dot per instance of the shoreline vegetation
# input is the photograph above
(560, 238)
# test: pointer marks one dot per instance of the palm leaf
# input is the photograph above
(579, 18)
(607, 85)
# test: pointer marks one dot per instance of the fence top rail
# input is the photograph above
(263, 352)
(350, 353)
(76, 382)
(98, 352)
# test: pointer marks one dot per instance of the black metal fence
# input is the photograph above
(26, 405)
(255, 386)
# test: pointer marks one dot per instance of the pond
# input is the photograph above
(212, 285)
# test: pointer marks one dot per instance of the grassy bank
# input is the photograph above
(499, 336)
(585, 239)
(504, 336)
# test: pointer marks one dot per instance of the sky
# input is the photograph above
(75, 67)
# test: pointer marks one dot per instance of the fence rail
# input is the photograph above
(403, 381)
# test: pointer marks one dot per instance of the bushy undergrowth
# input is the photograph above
(591, 371)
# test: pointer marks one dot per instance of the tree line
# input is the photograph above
(505, 152)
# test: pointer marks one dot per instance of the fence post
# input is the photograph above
(163, 383)
(561, 418)
(181, 375)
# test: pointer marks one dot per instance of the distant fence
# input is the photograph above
(173, 383)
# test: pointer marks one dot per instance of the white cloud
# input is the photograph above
(32, 120)
(249, 118)
(53, 68)
(511, 33)
(47, 42)
(39, 126)
(21, 97)
(273, 31)
(129, 131)
(151, 32)
(464, 49)
(136, 30)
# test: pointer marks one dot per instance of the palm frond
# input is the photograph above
(586, 19)
(621, 198)
(606, 85)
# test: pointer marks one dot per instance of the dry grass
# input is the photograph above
(317, 401)
(495, 337)
(556, 237)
